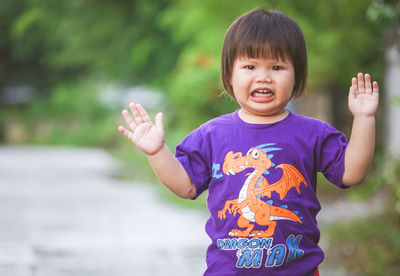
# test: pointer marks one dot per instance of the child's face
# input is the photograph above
(262, 87)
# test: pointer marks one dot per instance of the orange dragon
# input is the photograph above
(249, 205)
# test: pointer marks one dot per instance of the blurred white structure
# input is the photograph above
(392, 104)
(12, 95)
(119, 97)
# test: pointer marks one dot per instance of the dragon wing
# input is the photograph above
(291, 178)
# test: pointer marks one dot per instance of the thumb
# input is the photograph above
(159, 121)
(352, 93)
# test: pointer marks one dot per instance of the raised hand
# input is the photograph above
(363, 96)
(147, 136)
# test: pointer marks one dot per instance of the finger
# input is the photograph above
(128, 119)
(360, 83)
(352, 93)
(135, 113)
(368, 87)
(143, 114)
(375, 88)
(121, 129)
(354, 85)
(125, 132)
(159, 121)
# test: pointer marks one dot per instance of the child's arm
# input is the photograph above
(149, 138)
(363, 103)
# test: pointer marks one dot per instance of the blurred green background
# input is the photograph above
(68, 67)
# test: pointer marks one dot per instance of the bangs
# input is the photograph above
(265, 34)
(263, 41)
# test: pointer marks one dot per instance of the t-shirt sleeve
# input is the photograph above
(193, 155)
(331, 153)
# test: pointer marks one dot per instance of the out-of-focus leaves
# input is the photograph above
(175, 45)
(385, 9)
(341, 42)
(114, 39)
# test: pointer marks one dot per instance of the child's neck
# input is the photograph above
(262, 119)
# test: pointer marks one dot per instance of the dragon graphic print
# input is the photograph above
(249, 204)
(254, 207)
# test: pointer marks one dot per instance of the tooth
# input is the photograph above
(231, 172)
(242, 167)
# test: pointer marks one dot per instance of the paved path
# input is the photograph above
(62, 214)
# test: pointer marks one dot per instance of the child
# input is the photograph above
(262, 204)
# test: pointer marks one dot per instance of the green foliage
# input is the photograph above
(371, 246)
(176, 45)
(73, 115)
(367, 247)
(387, 10)
(194, 87)
(392, 176)
(114, 39)
(341, 42)
(382, 178)
(60, 47)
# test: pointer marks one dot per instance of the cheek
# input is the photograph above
(290, 82)
(293, 79)
(235, 81)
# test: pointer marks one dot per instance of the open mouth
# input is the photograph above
(262, 93)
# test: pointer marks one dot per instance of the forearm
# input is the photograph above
(171, 173)
(360, 150)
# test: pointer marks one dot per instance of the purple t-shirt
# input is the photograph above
(262, 181)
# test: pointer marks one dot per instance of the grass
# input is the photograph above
(367, 247)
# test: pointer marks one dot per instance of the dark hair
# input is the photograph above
(265, 33)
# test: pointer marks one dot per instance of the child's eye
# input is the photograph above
(250, 67)
(276, 67)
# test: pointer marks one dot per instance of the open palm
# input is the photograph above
(363, 96)
(146, 135)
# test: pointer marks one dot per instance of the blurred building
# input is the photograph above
(119, 97)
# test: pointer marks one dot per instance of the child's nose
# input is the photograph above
(264, 76)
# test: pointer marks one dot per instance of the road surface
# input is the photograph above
(62, 214)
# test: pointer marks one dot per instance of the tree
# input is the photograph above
(120, 40)
(175, 45)
(341, 42)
